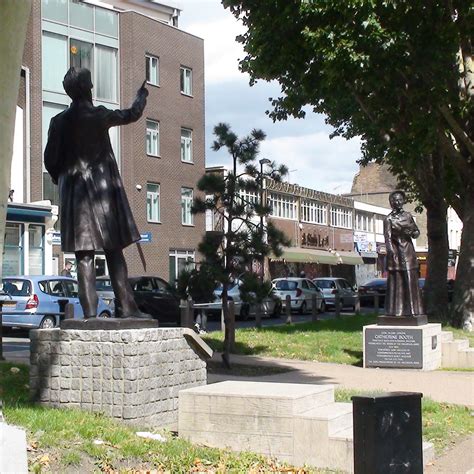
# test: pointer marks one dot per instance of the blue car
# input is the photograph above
(33, 301)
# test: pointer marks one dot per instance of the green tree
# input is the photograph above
(233, 199)
(399, 75)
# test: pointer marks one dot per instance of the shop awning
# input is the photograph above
(350, 258)
(302, 255)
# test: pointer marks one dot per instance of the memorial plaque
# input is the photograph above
(393, 347)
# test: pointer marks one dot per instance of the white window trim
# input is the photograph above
(150, 57)
(154, 193)
(155, 132)
(283, 206)
(186, 68)
(339, 215)
(190, 139)
(316, 212)
(188, 202)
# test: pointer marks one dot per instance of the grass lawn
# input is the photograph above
(69, 441)
(66, 441)
(334, 340)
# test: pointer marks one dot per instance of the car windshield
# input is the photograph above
(325, 284)
(286, 285)
(103, 285)
(16, 287)
(378, 282)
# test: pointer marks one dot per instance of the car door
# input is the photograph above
(72, 293)
(168, 301)
(317, 291)
(306, 293)
(57, 292)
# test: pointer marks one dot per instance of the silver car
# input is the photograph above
(301, 291)
(331, 287)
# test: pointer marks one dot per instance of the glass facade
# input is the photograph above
(283, 206)
(54, 61)
(35, 249)
(13, 250)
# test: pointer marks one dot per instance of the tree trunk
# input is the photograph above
(435, 292)
(463, 308)
(13, 22)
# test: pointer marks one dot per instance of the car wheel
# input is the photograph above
(104, 314)
(244, 312)
(322, 308)
(48, 322)
(303, 308)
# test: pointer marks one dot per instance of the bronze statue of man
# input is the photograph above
(95, 213)
(403, 297)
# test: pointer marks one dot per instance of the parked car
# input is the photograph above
(367, 291)
(301, 291)
(34, 301)
(337, 286)
(271, 306)
(152, 294)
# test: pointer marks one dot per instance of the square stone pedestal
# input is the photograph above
(403, 347)
(134, 375)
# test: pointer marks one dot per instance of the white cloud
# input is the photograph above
(317, 161)
(221, 51)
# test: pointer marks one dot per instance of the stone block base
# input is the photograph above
(403, 347)
(134, 375)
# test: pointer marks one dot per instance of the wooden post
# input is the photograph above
(314, 308)
(376, 302)
(337, 306)
(231, 324)
(357, 304)
(258, 314)
(1, 331)
(288, 309)
(68, 311)
(187, 313)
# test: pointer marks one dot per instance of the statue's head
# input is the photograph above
(397, 199)
(78, 84)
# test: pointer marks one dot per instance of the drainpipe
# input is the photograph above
(27, 133)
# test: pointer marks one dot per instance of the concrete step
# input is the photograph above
(446, 336)
(456, 344)
(330, 418)
(457, 354)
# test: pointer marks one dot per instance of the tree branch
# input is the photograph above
(457, 130)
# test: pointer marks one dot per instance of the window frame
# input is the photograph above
(341, 217)
(148, 61)
(283, 206)
(155, 132)
(183, 81)
(153, 193)
(190, 139)
(186, 204)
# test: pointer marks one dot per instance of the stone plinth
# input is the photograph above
(134, 375)
(403, 347)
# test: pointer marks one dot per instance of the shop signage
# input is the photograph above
(364, 242)
(145, 237)
(314, 240)
(381, 249)
(56, 238)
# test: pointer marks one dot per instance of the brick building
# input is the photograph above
(160, 157)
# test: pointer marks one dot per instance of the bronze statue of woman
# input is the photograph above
(403, 302)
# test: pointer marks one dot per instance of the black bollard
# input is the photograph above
(387, 434)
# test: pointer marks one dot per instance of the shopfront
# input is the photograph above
(26, 248)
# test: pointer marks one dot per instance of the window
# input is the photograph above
(153, 202)
(283, 206)
(55, 10)
(81, 15)
(186, 203)
(186, 80)
(364, 221)
(314, 212)
(179, 260)
(186, 145)
(13, 250)
(36, 249)
(72, 288)
(341, 217)
(105, 84)
(152, 70)
(152, 138)
(106, 22)
(54, 61)
(80, 55)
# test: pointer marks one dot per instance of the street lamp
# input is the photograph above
(263, 161)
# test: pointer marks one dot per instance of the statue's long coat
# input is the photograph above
(94, 209)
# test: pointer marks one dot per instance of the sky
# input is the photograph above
(314, 160)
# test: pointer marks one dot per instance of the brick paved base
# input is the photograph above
(134, 375)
